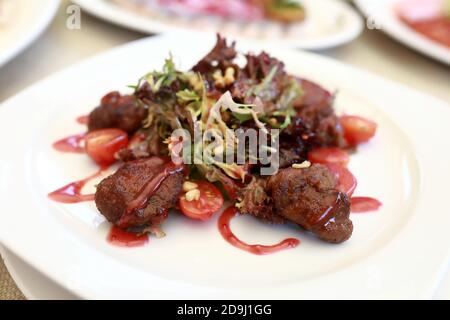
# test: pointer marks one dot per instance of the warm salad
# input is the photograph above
(267, 140)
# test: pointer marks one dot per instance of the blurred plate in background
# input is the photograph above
(23, 22)
(382, 15)
(328, 23)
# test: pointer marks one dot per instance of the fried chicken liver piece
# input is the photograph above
(309, 198)
(140, 192)
(117, 111)
(315, 110)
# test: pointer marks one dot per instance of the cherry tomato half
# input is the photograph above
(329, 155)
(346, 180)
(102, 145)
(209, 202)
(357, 130)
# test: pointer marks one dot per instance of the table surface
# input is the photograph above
(59, 47)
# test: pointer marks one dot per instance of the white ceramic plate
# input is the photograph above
(27, 20)
(328, 24)
(400, 251)
(381, 12)
(33, 284)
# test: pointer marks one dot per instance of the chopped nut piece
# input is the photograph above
(273, 121)
(222, 81)
(188, 186)
(194, 194)
(229, 76)
(196, 82)
(303, 165)
(219, 80)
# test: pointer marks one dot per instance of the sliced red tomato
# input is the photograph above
(346, 180)
(357, 129)
(329, 155)
(364, 204)
(102, 145)
(209, 202)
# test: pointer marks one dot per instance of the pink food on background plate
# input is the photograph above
(428, 17)
(418, 10)
(236, 9)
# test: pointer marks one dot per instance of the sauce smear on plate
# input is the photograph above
(83, 119)
(123, 238)
(364, 204)
(73, 143)
(71, 193)
(227, 234)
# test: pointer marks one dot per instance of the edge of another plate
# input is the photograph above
(126, 18)
(397, 30)
(37, 29)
